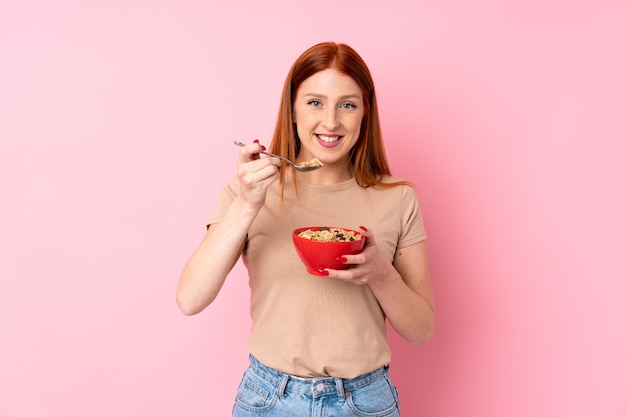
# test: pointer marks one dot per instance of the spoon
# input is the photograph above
(314, 163)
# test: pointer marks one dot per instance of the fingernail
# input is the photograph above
(342, 259)
(257, 141)
(324, 272)
(363, 227)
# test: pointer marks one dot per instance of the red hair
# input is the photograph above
(367, 156)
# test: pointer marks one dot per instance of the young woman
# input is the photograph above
(318, 344)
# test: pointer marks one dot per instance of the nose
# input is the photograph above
(331, 121)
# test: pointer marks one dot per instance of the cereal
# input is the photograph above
(312, 163)
(330, 234)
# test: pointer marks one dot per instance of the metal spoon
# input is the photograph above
(301, 168)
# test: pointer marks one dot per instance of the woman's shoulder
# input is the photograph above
(392, 185)
(391, 179)
(402, 183)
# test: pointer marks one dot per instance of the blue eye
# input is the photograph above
(348, 106)
(314, 103)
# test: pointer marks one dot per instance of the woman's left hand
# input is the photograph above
(367, 267)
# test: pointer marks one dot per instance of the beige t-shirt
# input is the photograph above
(315, 326)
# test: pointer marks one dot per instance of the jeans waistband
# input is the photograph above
(314, 386)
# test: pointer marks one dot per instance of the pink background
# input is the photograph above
(116, 122)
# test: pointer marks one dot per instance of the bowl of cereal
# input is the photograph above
(319, 247)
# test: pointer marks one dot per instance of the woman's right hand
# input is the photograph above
(256, 174)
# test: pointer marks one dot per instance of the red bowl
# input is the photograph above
(318, 255)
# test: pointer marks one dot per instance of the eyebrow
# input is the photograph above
(348, 96)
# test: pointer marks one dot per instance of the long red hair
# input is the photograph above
(368, 156)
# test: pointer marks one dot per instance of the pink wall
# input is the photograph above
(116, 122)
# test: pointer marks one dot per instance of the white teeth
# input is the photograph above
(328, 139)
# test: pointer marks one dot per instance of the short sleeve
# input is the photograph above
(227, 195)
(412, 227)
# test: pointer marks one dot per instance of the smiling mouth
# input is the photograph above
(328, 138)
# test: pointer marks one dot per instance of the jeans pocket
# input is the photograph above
(377, 399)
(254, 394)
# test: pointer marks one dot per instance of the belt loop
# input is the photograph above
(340, 393)
(283, 386)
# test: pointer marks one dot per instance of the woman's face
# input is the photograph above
(328, 109)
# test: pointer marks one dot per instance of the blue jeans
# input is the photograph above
(266, 392)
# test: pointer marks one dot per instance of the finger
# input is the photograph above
(258, 168)
(258, 171)
(258, 164)
(263, 148)
(250, 152)
(356, 259)
(341, 274)
(348, 275)
(369, 235)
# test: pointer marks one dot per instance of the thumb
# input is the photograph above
(369, 236)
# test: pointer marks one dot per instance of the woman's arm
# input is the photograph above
(206, 270)
(403, 288)
(406, 296)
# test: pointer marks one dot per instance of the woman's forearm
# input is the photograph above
(207, 269)
(410, 314)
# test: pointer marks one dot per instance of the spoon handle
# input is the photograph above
(267, 153)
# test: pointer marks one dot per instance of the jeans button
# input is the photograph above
(320, 387)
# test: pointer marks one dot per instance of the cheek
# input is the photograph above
(301, 129)
(356, 124)
(304, 122)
